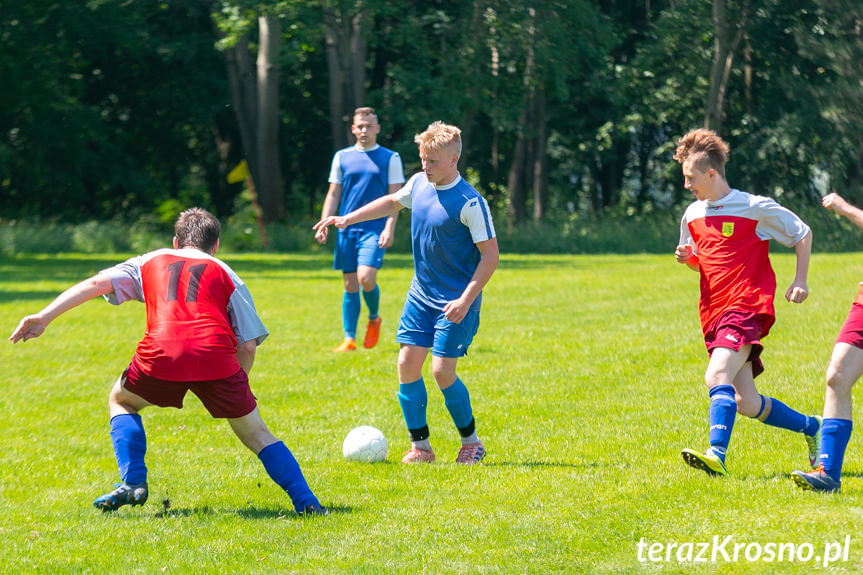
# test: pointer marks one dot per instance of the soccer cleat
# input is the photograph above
(314, 511)
(124, 494)
(373, 332)
(708, 462)
(813, 442)
(414, 455)
(817, 480)
(347, 345)
(471, 454)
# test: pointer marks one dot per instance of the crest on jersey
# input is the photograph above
(727, 229)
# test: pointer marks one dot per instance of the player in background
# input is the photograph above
(202, 334)
(725, 235)
(455, 254)
(361, 174)
(843, 371)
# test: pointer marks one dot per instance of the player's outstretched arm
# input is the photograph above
(836, 203)
(799, 290)
(380, 208)
(34, 325)
(455, 310)
(684, 255)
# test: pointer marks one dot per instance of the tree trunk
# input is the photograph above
(514, 185)
(724, 47)
(243, 89)
(540, 177)
(269, 184)
(346, 49)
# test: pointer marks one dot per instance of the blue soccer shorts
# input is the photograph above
(357, 248)
(425, 326)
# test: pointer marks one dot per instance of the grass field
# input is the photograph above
(586, 380)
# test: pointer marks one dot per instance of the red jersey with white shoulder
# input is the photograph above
(197, 311)
(731, 237)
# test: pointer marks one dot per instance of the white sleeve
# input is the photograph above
(126, 281)
(778, 223)
(685, 236)
(244, 319)
(403, 196)
(396, 173)
(336, 169)
(476, 216)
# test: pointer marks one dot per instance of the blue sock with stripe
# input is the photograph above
(130, 447)
(781, 415)
(283, 468)
(373, 301)
(351, 313)
(835, 434)
(414, 399)
(457, 401)
(723, 409)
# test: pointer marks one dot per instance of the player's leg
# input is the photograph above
(450, 343)
(130, 448)
(771, 411)
(280, 463)
(345, 259)
(370, 258)
(845, 368)
(413, 400)
(722, 369)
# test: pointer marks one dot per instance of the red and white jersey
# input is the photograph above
(731, 238)
(197, 311)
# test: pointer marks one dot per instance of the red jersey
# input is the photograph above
(731, 238)
(197, 311)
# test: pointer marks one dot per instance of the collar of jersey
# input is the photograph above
(450, 185)
(357, 148)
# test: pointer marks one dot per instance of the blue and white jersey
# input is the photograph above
(365, 175)
(446, 224)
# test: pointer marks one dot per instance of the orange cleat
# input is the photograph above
(347, 345)
(373, 332)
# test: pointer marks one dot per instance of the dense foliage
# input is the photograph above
(570, 108)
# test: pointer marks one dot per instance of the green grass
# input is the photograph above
(586, 381)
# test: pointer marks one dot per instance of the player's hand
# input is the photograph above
(683, 253)
(455, 310)
(797, 293)
(834, 202)
(29, 327)
(321, 235)
(385, 240)
(338, 221)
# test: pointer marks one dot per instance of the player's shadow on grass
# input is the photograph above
(539, 464)
(247, 512)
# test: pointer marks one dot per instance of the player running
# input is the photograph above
(360, 174)
(202, 334)
(845, 368)
(725, 235)
(455, 254)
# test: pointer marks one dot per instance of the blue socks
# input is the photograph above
(373, 300)
(283, 468)
(457, 401)
(835, 434)
(781, 415)
(723, 409)
(130, 446)
(414, 400)
(351, 313)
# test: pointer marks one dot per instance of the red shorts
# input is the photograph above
(852, 330)
(230, 397)
(734, 329)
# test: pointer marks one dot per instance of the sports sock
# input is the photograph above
(373, 300)
(283, 468)
(351, 313)
(780, 415)
(457, 401)
(414, 400)
(723, 409)
(835, 434)
(424, 444)
(130, 446)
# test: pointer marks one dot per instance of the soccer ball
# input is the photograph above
(365, 443)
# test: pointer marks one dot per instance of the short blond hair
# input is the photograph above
(439, 136)
(705, 148)
(363, 112)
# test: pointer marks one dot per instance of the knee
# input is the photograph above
(748, 406)
(367, 282)
(838, 381)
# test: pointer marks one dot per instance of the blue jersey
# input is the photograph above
(446, 224)
(365, 175)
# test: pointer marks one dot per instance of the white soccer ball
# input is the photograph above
(365, 443)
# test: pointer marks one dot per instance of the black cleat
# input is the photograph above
(124, 495)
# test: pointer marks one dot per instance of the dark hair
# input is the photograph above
(197, 228)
